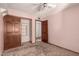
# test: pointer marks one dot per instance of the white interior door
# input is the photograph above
(25, 30)
(38, 30)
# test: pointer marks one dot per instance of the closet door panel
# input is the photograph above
(9, 28)
(12, 33)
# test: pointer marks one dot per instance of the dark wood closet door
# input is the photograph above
(45, 31)
(12, 34)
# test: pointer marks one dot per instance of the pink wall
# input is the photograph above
(1, 34)
(64, 31)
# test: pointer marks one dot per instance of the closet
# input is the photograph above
(12, 32)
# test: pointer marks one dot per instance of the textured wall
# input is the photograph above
(63, 28)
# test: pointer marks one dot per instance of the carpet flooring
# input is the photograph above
(38, 49)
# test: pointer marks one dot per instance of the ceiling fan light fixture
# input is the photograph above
(3, 11)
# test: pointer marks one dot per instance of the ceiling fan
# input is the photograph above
(42, 6)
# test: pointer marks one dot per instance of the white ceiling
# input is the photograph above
(29, 8)
(25, 7)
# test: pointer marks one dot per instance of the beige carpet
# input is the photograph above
(38, 49)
